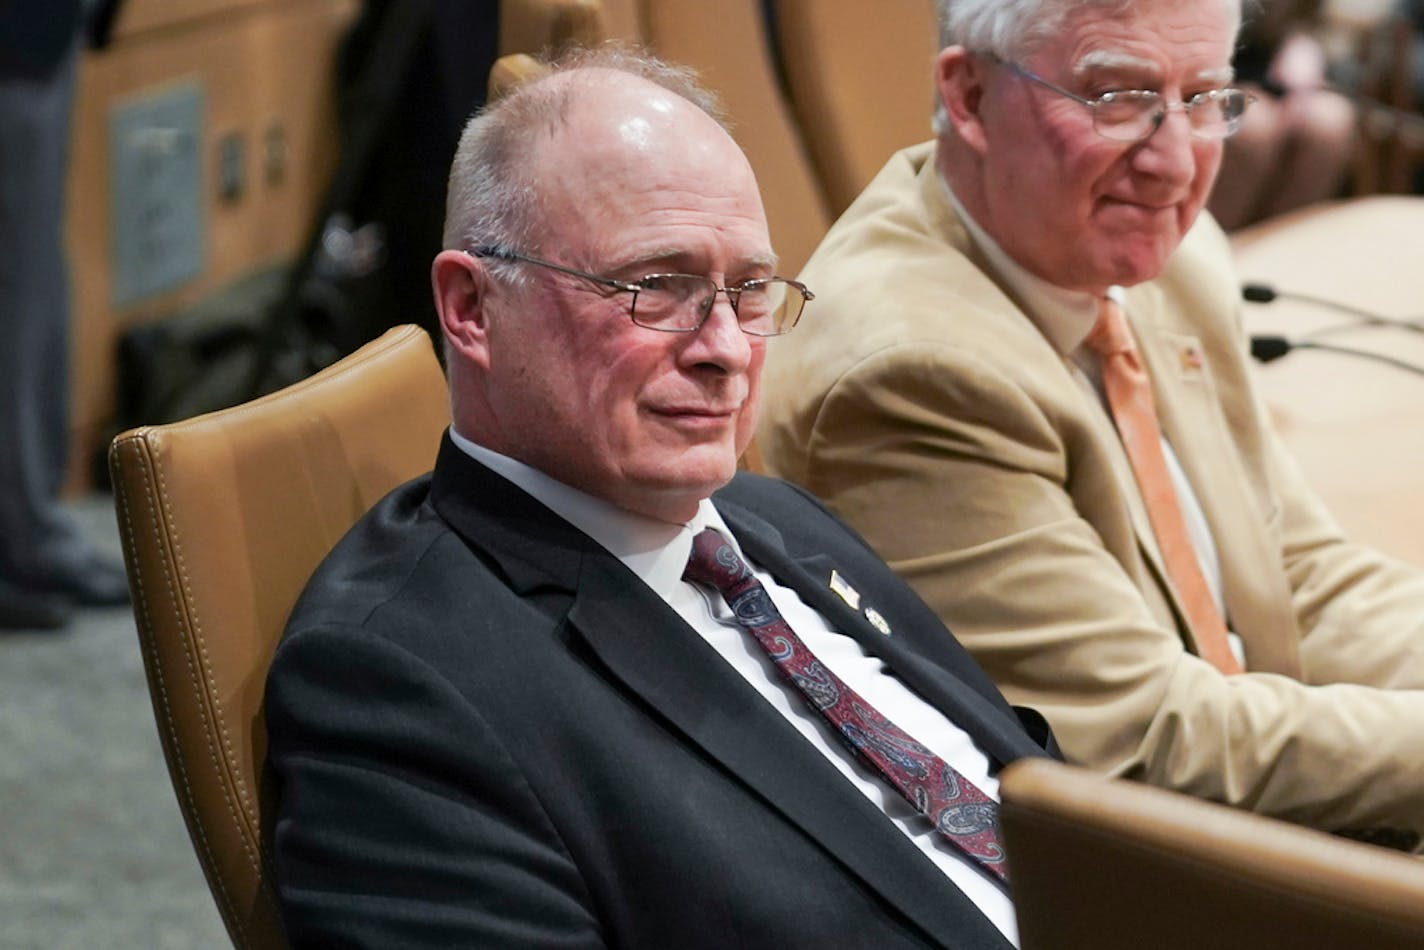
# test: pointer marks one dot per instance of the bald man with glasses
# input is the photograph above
(1027, 386)
(585, 685)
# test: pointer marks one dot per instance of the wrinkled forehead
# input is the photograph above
(1013, 29)
(1121, 62)
(1142, 37)
(1031, 31)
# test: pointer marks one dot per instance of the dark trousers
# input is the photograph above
(35, 109)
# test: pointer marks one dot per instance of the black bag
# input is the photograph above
(410, 74)
(202, 359)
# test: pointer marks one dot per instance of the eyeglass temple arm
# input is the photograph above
(504, 254)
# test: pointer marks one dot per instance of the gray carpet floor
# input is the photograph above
(93, 851)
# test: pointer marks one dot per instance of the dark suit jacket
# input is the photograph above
(488, 732)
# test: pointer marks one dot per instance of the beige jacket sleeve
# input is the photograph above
(1361, 612)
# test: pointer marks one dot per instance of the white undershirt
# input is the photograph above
(1065, 318)
(657, 552)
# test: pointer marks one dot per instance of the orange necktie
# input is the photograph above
(1129, 394)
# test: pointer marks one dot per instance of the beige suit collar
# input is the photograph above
(1064, 317)
(942, 218)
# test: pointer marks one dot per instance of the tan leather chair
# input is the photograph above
(1103, 864)
(726, 42)
(223, 518)
(860, 76)
(511, 71)
(533, 26)
(626, 18)
(529, 29)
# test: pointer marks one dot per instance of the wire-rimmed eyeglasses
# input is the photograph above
(1131, 115)
(680, 303)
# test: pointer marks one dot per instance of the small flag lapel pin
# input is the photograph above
(846, 592)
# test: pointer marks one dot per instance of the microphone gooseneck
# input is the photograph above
(1266, 348)
(1265, 293)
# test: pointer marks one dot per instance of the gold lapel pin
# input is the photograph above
(877, 621)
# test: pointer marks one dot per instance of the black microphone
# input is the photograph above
(1266, 348)
(1265, 293)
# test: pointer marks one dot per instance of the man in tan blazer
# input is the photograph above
(943, 401)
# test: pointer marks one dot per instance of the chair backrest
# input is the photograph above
(511, 71)
(726, 42)
(533, 26)
(626, 18)
(224, 517)
(1101, 864)
(860, 76)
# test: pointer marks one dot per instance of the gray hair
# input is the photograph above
(492, 200)
(1012, 29)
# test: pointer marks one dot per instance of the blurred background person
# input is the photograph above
(1295, 144)
(1412, 11)
(46, 564)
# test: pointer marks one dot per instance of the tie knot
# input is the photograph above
(714, 562)
(1111, 334)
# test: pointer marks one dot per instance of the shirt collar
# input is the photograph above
(1064, 317)
(656, 551)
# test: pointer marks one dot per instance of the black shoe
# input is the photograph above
(22, 609)
(87, 581)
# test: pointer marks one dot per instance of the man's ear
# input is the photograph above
(959, 79)
(462, 286)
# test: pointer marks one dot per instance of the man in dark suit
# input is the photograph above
(502, 715)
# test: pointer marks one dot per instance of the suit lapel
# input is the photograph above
(1000, 735)
(657, 657)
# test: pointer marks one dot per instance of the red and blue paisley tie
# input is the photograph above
(958, 809)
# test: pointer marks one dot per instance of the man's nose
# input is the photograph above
(1169, 152)
(720, 339)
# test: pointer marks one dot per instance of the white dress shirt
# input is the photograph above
(658, 551)
(1065, 318)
